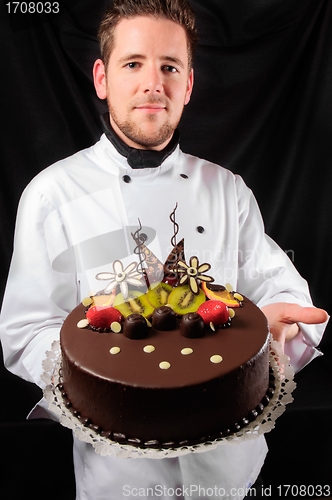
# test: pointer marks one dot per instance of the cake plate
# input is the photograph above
(265, 422)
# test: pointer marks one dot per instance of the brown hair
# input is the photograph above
(178, 11)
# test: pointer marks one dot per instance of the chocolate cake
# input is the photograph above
(167, 389)
(163, 358)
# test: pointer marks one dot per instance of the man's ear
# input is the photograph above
(189, 86)
(99, 79)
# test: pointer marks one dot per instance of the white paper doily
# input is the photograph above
(284, 382)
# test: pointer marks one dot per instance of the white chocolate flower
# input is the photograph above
(193, 273)
(121, 277)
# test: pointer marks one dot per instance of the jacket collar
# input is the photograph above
(139, 158)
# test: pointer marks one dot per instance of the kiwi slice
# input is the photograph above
(184, 301)
(158, 294)
(135, 303)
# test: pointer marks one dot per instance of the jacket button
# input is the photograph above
(126, 179)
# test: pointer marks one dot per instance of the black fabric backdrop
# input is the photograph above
(262, 107)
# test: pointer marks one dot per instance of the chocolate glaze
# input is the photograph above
(132, 399)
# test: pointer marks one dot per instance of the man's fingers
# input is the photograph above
(293, 313)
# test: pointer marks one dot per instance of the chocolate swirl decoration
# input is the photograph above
(175, 225)
(138, 250)
(170, 266)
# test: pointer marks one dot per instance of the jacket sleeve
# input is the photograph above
(37, 297)
(267, 275)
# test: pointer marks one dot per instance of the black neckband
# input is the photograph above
(139, 158)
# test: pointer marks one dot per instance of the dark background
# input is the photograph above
(262, 107)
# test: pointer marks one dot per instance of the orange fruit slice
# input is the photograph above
(223, 295)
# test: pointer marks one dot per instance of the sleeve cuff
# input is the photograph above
(35, 353)
(302, 348)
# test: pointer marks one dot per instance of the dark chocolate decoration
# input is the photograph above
(265, 400)
(252, 415)
(192, 326)
(106, 434)
(95, 428)
(126, 179)
(138, 250)
(164, 318)
(175, 226)
(135, 442)
(200, 229)
(225, 433)
(135, 327)
(184, 176)
(119, 437)
(152, 444)
(259, 408)
(168, 444)
(84, 420)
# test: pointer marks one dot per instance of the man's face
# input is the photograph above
(148, 81)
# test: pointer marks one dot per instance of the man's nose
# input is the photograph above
(153, 80)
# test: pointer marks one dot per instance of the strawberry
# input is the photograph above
(102, 317)
(214, 311)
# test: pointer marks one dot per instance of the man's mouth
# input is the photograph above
(151, 108)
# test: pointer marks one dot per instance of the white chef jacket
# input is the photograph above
(74, 219)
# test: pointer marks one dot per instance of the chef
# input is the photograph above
(76, 217)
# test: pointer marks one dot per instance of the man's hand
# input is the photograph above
(283, 319)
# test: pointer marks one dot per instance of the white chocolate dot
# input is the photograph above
(216, 358)
(231, 312)
(148, 323)
(164, 365)
(116, 327)
(186, 350)
(238, 297)
(213, 328)
(149, 348)
(83, 323)
(229, 287)
(87, 301)
(115, 350)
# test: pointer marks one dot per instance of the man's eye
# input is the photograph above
(170, 69)
(132, 65)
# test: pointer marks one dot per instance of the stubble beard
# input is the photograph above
(136, 134)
